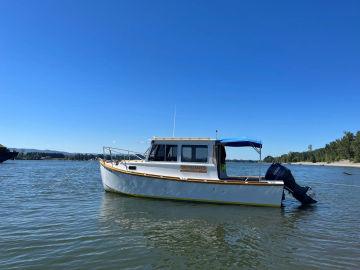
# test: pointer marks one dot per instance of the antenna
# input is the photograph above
(174, 122)
(216, 134)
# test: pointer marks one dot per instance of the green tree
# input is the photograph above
(356, 147)
(348, 147)
(269, 159)
(346, 151)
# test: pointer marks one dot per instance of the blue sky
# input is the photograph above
(77, 75)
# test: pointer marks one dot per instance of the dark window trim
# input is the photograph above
(158, 145)
(193, 152)
(165, 151)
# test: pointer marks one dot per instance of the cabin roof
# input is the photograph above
(234, 142)
(182, 139)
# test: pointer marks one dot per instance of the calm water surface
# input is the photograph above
(55, 215)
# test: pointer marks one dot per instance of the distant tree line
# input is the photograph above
(78, 156)
(39, 155)
(348, 147)
(242, 160)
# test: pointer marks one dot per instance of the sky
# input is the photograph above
(77, 75)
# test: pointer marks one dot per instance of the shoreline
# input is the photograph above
(342, 163)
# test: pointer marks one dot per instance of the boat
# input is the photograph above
(194, 169)
(6, 154)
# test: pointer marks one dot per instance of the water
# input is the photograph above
(55, 215)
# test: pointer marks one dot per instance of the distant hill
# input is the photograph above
(37, 154)
(31, 150)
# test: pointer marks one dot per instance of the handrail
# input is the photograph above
(120, 151)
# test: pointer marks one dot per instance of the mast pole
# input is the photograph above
(174, 123)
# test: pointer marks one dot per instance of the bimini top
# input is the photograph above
(236, 142)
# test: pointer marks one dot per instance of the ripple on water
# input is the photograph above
(55, 214)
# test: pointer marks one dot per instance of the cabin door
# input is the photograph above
(221, 161)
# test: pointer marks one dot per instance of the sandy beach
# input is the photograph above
(341, 163)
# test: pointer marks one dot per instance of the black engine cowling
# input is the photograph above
(279, 172)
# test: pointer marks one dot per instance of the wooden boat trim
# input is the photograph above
(193, 180)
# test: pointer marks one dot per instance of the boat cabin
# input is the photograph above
(188, 158)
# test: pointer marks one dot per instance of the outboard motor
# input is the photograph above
(279, 172)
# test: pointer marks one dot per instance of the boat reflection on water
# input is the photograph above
(215, 235)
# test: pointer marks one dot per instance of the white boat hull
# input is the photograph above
(153, 187)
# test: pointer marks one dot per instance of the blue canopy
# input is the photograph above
(235, 142)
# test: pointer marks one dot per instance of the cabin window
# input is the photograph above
(157, 152)
(194, 153)
(186, 155)
(171, 153)
(162, 152)
(201, 153)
